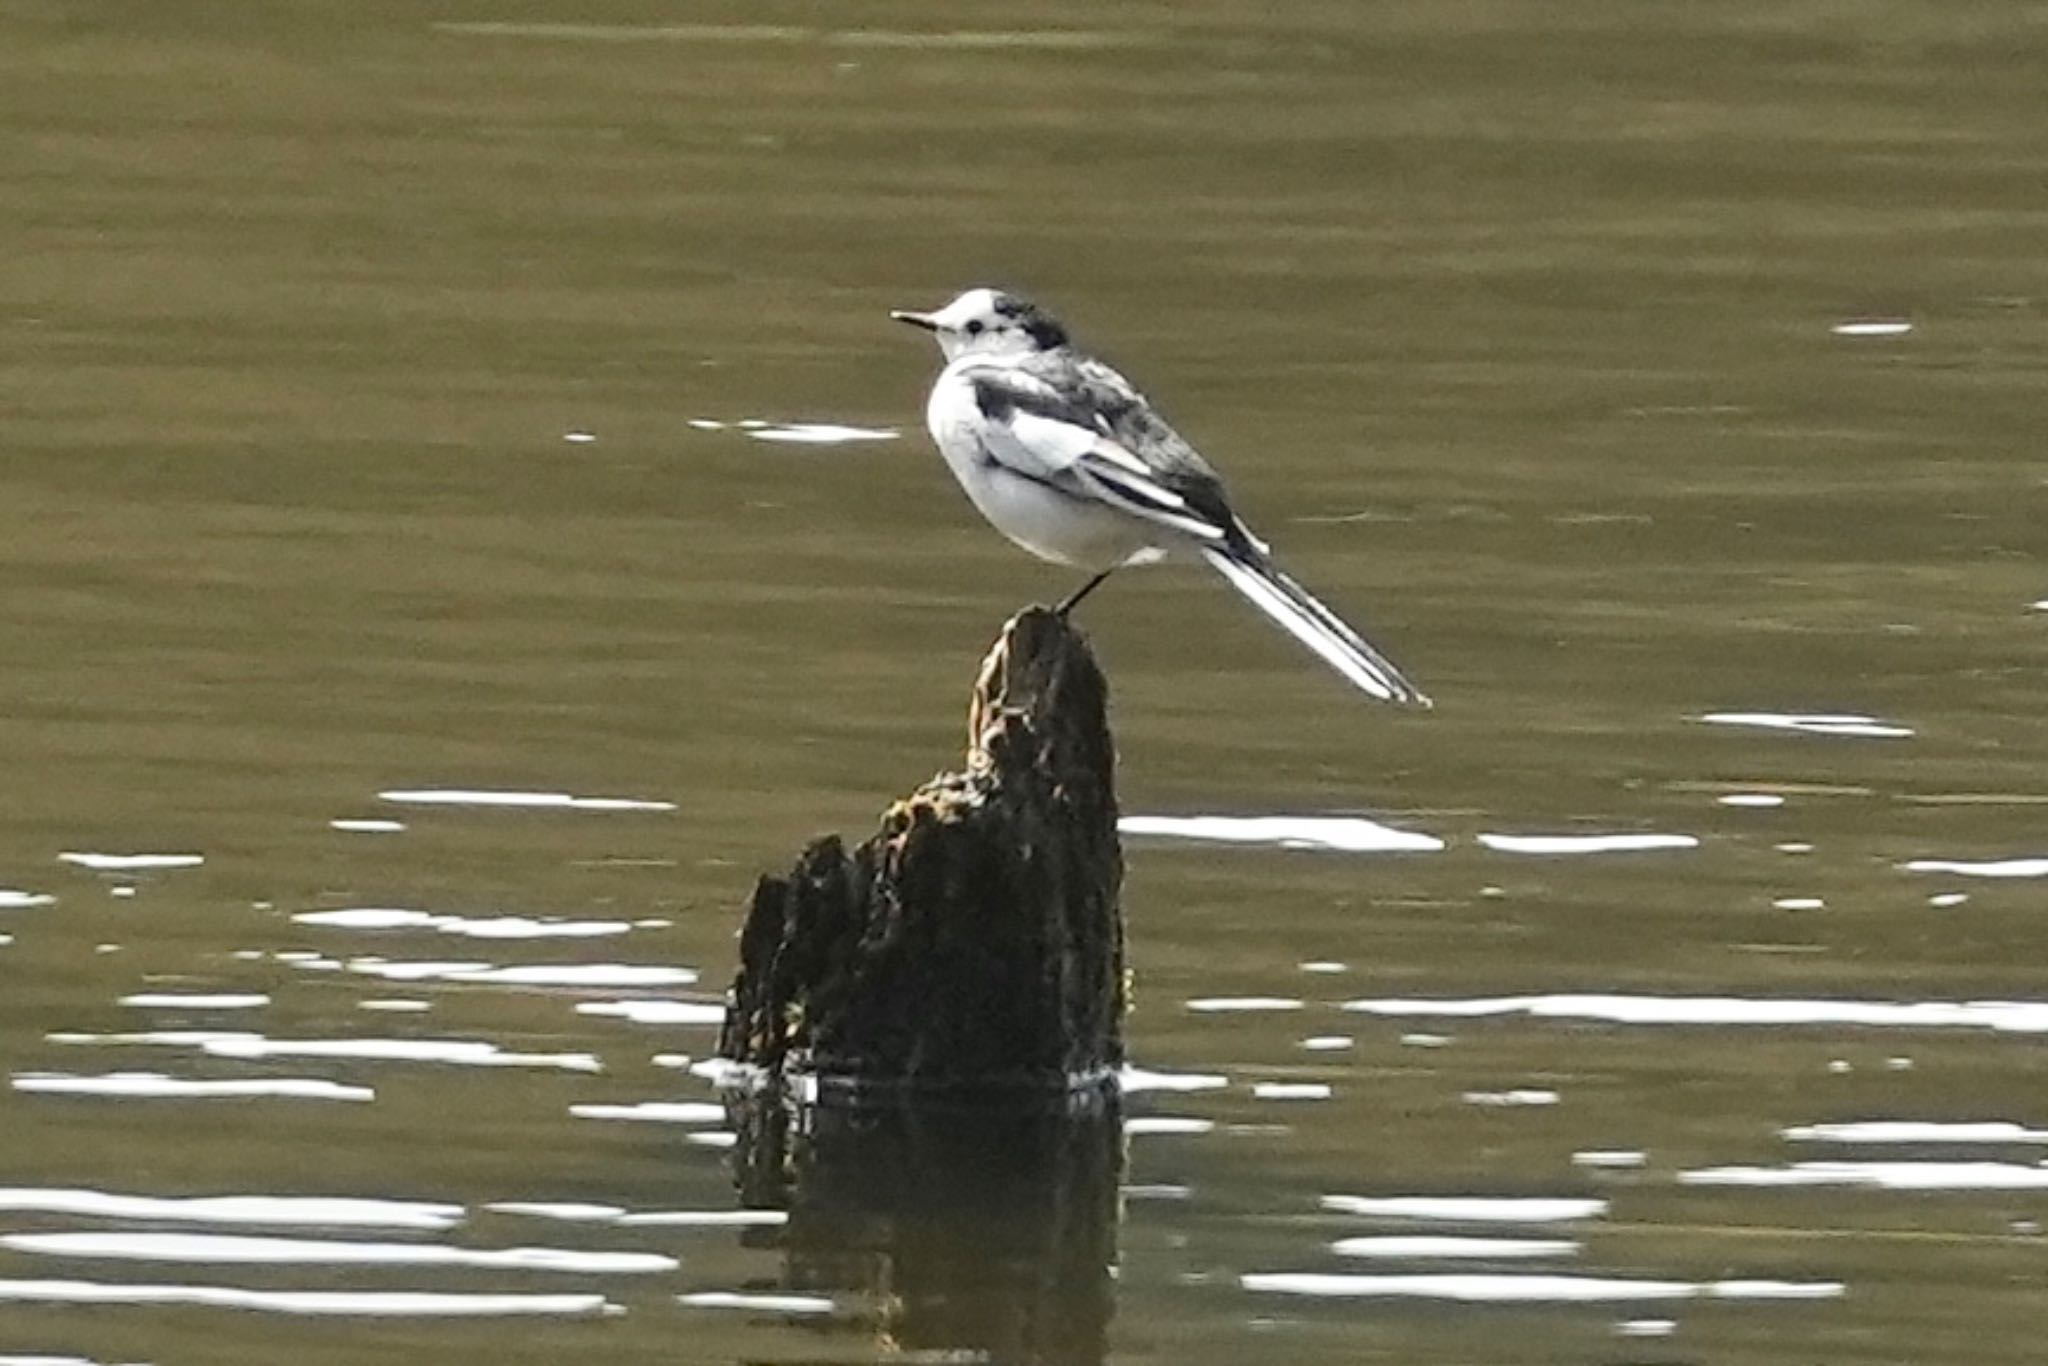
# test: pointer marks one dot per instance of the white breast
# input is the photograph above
(1052, 525)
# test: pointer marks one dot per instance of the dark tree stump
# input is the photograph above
(976, 939)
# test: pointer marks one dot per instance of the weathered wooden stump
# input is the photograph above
(976, 939)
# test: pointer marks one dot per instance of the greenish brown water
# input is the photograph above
(1513, 327)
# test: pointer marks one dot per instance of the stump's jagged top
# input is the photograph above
(976, 939)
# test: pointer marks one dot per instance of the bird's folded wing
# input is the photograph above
(1032, 429)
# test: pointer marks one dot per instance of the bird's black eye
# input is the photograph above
(974, 328)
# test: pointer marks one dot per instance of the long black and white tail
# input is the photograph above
(1297, 612)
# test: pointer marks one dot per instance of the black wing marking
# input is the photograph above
(1083, 422)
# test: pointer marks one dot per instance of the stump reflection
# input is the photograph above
(982, 1225)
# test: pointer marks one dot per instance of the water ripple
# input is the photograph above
(158, 1086)
(241, 1044)
(1443, 1249)
(1896, 1176)
(1469, 1209)
(229, 1249)
(705, 1218)
(359, 1304)
(2012, 867)
(1810, 723)
(1505, 1100)
(1913, 1131)
(1291, 1090)
(1586, 844)
(2025, 1017)
(170, 1000)
(1344, 834)
(820, 433)
(586, 975)
(129, 863)
(473, 927)
(1477, 1289)
(657, 1012)
(269, 1211)
(995, 40)
(774, 1304)
(655, 1112)
(559, 801)
(1168, 1124)
(462, 1052)
(1133, 1079)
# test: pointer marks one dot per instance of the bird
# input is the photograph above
(1066, 458)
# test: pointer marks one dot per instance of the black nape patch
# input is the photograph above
(1044, 330)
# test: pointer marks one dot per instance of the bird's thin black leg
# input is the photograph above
(1073, 599)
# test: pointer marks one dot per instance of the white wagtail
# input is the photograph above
(1065, 457)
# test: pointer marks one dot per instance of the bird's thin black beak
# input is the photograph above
(924, 320)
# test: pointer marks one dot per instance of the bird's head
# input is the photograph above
(989, 322)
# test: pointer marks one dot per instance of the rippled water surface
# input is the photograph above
(464, 514)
